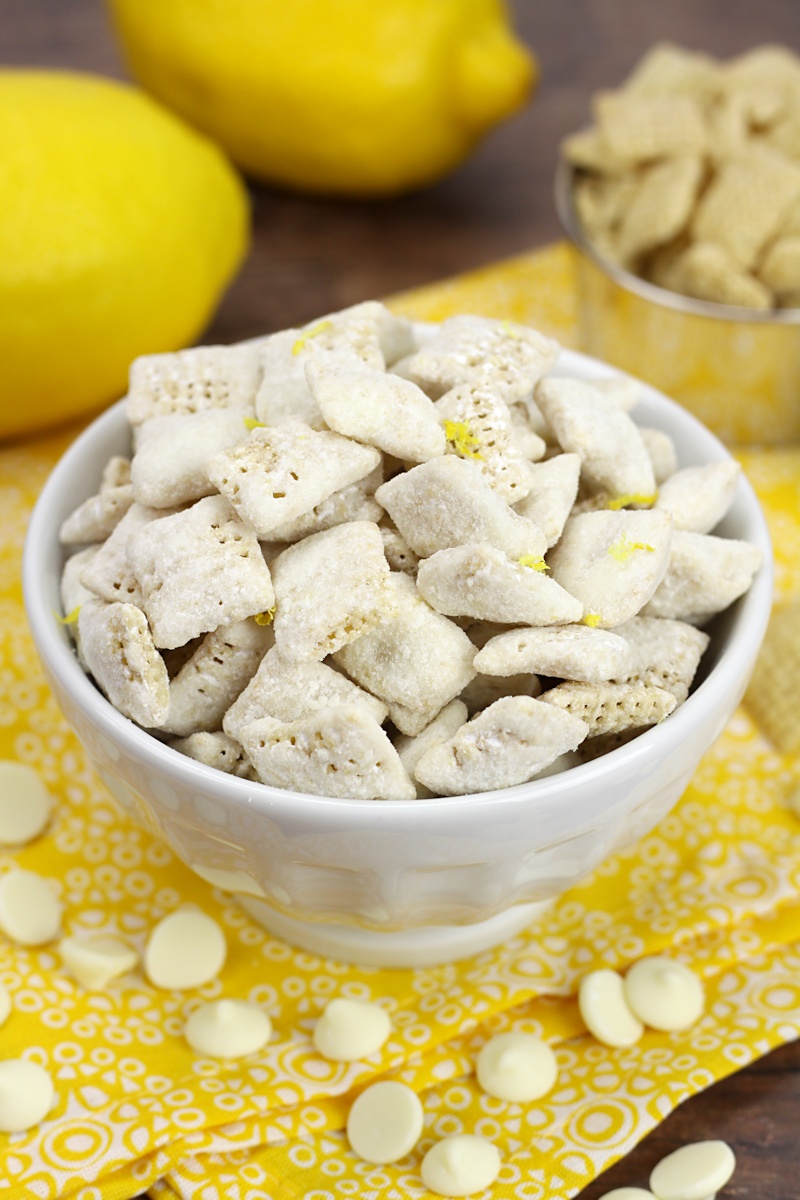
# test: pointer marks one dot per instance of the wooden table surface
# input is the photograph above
(312, 256)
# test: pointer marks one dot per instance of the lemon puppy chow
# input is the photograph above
(689, 175)
(379, 561)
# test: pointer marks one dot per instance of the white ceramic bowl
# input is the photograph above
(396, 882)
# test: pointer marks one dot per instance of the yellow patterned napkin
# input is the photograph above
(717, 884)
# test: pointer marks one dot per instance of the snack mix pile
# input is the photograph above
(355, 523)
(690, 176)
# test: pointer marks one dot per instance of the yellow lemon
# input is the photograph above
(358, 97)
(120, 227)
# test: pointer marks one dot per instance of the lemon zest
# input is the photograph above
(266, 618)
(71, 617)
(252, 423)
(591, 619)
(536, 564)
(313, 332)
(510, 331)
(619, 502)
(624, 548)
(462, 439)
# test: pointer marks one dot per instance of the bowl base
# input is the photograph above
(428, 946)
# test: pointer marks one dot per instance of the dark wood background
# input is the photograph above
(312, 256)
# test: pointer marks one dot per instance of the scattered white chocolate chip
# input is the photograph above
(95, 961)
(385, 1122)
(695, 1172)
(26, 1095)
(25, 804)
(30, 913)
(460, 1165)
(5, 1004)
(628, 1193)
(351, 1029)
(517, 1067)
(184, 950)
(228, 1029)
(663, 993)
(605, 1011)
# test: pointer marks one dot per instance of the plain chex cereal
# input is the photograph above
(773, 695)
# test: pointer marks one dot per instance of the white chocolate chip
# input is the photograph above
(385, 1122)
(26, 1095)
(351, 1029)
(95, 961)
(30, 914)
(663, 993)
(517, 1067)
(460, 1165)
(184, 950)
(695, 1172)
(25, 804)
(228, 1029)
(605, 1011)
(628, 1193)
